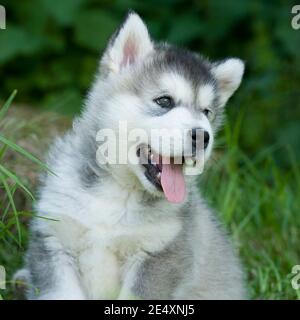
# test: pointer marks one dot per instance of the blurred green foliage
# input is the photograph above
(50, 51)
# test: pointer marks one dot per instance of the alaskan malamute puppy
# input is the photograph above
(136, 230)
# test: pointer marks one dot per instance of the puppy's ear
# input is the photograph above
(229, 75)
(129, 45)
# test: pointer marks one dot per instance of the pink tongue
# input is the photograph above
(173, 183)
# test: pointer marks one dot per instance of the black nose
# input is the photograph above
(197, 134)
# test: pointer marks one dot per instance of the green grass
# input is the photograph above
(9, 182)
(259, 203)
(255, 198)
(13, 232)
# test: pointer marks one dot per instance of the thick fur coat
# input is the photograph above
(110, 233)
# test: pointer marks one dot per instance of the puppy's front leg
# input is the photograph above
(100, 272)
(52, 272)
(130, 275)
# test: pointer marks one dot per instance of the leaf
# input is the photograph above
(93, 28)
(188, 27)
(64, 12)
(15, 41)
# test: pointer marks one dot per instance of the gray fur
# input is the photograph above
(41, 263)
(162, 273)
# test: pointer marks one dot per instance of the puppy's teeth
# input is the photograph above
(158, 175)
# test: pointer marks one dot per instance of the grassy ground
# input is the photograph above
(256, 200)
(32, 131)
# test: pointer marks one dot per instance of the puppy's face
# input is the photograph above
(171, 101)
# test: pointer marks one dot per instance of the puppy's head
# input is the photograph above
(164, 105)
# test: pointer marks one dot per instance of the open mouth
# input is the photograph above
(166, 174)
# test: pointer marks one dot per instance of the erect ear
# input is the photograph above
(229, 75)
(129, 45)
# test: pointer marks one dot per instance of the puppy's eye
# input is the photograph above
(165, 102)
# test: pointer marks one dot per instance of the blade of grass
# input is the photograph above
(8, 233)
(16, 180)
(237, 128)
(11, 200)
(25, 153)
(294, 163)
(29, 214)
(14, 188)
(7, 104)
(2, 151)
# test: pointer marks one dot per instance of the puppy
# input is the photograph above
(136, 229)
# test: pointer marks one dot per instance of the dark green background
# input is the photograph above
(50, 51)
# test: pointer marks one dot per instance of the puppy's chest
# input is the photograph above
(125, 225)
(107, 250)
(108, 253)
(125, 240)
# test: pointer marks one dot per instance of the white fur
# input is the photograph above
(100, 241)
(176, 86)
(132, 43)
(205, 96)
(229, 76)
